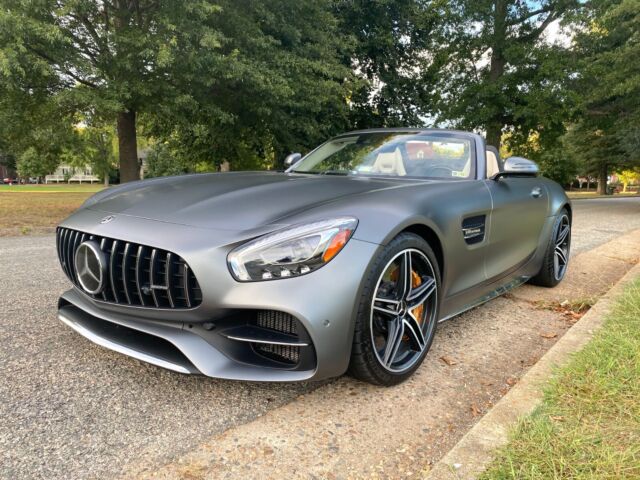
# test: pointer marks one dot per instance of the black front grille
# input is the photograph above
(137, 275)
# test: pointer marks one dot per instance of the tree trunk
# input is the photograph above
(496, 69)
(602, 180)
(494, 135)
(128, 147)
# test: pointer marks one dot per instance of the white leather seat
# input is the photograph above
(389, 163)
(492, 164)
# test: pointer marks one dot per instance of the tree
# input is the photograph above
(628, 177)
(97, 149)
(34, 129)
(606, 133)
(500, 75)
(393, 53)
(278, 86)
(115, 57)
(161, 162)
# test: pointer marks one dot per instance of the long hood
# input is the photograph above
(233, 201)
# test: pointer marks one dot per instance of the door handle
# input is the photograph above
(536, 192)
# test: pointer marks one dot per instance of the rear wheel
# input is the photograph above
(556, 260)
(398, 312)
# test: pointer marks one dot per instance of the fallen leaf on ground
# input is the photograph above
(475, 411)
(512, 381)
(448, 360)
(549, 335)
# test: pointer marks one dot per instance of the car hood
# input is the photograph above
(233, 201)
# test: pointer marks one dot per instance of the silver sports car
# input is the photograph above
(345, 262)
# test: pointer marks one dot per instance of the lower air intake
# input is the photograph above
(279, 353)
(278, 321)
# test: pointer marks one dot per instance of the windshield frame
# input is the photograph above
(467, 136)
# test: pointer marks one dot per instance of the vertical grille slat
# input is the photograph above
(67, 250)
(125, 266)
(152, 276)
(63, 249)
(112, 264)
(72, 256)
(138, 275)
(185, 286)
(103, 242)
(139, 271)
(167, 279)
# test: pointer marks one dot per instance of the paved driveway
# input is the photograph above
(69, 409)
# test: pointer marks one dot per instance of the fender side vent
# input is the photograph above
(473, 229)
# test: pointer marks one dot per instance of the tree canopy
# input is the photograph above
(243, 83)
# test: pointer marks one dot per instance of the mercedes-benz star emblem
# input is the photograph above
(108, 219)
(91, 267)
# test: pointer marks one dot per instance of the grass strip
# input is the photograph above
(588, 425)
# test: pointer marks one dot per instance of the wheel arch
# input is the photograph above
(431, 237)
(567, 205)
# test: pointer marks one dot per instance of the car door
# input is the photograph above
(520, 206)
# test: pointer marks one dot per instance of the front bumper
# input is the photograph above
(192, 340)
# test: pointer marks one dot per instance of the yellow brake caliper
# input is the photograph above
(416, 281)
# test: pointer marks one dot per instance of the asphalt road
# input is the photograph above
(69, 409)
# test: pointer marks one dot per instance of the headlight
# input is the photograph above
(291, 252)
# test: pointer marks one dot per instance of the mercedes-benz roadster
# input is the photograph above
(346, 261)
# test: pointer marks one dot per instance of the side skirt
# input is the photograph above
(501, 290)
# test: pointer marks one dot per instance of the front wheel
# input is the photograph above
(398, 312)
(556, 259)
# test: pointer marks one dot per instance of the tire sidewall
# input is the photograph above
(402, 242)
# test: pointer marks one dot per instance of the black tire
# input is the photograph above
(365, 364)
(548, 276)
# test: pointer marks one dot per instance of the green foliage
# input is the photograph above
(97, 150)
(161, 163)
(33, 164)
(628, 177)
(606, 134)
(211, 78)
(500, 76)
(395, 75)
(276, 86)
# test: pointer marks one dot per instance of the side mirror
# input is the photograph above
(517, 167)
(291, 159)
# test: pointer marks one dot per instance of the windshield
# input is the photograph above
(392, 154)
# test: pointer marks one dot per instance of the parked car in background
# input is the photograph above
(345, 262)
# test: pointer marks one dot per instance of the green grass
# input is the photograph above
(588, 425)
(53, 188)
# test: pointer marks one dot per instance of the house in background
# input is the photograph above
(69, 174)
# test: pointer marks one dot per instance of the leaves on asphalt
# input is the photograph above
(448, 360)
(549, 335)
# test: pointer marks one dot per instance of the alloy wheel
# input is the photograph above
(561, 248)
(403, 310)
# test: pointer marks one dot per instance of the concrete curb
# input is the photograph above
(598, 197)
(471, 455)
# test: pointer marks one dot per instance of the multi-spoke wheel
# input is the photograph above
(556, 260)
(398, 313)
(561, 250)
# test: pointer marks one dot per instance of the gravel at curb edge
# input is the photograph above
(475, 450)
